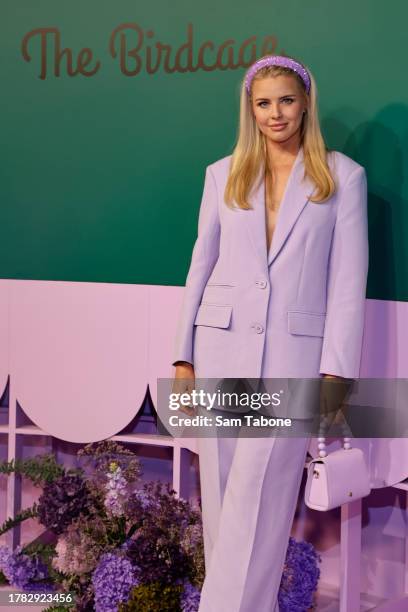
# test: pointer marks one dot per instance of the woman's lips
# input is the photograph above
(278, 126)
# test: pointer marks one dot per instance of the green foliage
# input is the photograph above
(46, 551)
(59, 608)
(39, 469)
(153, 597)
(19, 518)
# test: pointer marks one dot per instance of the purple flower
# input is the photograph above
(5, 555)
(113, 580)
(144, 498)
(299, 578)
(190, 598)
(62, 501)
(160, 542)
(116, 487)
(23, 571)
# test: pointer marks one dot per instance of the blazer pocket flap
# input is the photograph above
(213, 315)
(306, 323)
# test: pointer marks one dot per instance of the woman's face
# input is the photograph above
(278, 100)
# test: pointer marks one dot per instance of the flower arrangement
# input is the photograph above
(120, 546)
(300, 577)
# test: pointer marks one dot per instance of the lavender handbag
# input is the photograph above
(336, 478)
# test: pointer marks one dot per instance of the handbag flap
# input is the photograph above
(342, 476)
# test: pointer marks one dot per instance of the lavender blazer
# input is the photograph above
(297, 311)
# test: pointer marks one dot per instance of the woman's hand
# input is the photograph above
(184, 382)
(333, 393)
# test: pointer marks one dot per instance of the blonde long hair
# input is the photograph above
(249, 154)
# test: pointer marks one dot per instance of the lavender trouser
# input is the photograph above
(249, 492)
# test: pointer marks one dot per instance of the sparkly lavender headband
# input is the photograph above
(277, 60)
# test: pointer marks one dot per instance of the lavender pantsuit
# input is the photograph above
(295, 312)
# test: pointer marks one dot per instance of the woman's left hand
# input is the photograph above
(332, 396)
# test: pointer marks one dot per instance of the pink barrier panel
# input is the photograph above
(78, 355)
(4, 333)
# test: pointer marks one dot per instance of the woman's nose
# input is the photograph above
(275, 111)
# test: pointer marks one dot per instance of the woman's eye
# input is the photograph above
(285, 100)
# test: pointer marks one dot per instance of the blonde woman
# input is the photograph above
(276, 289)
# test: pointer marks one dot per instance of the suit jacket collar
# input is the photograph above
(297, 193)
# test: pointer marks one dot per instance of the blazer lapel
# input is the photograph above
(295, 198)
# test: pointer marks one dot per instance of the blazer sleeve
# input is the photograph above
(203, 259)
(347, 282)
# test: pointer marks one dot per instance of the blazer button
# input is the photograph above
(261, 284)
(258, 328)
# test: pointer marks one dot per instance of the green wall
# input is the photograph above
(101, 175)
